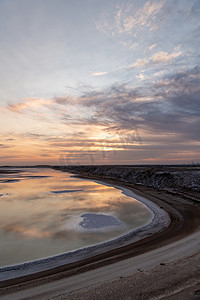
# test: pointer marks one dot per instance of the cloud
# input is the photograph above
(28, 233)
(172, 106)
(140, 76)
(162, 57)
(132, 18)
(157, 58)
(165, 111)
(143, 17)
(169, 105)
(99, 73)
(29, 103)
(139, 63)
(151, 47)
(186, 82)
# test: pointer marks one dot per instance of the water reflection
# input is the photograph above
(66, 191)
(41, 209)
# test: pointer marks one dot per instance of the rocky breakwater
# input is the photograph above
(184, 179)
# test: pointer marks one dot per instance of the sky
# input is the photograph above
(99, 82)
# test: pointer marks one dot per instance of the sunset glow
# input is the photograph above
(99, 82)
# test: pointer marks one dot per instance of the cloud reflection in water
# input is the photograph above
(46, 211)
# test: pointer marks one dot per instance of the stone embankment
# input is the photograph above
(168, 178)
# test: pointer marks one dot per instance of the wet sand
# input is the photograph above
(128, 270)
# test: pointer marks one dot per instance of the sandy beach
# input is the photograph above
(163, 265)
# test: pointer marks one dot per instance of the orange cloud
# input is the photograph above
(27, 104)
(28, 233)
(99, 73)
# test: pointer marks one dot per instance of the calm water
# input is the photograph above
(44, 212)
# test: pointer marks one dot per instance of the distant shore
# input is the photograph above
(185, 221)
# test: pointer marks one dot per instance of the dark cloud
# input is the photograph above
(168, 106)
(167, 109)
(173, 106)
(4, 146)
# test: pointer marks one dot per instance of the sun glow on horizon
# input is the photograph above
(115, 88)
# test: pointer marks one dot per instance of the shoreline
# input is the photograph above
(160, 221)
(185, 221)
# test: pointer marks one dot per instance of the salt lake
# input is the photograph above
(45, 212)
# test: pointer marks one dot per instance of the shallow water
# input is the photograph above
(42, 213)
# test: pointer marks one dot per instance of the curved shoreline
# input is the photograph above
(160, 220)
(184, 217)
